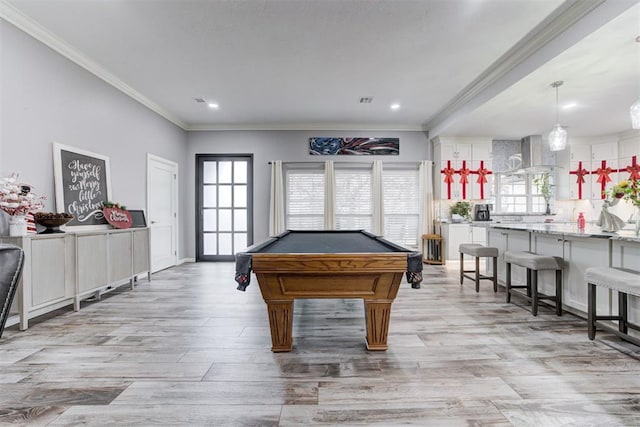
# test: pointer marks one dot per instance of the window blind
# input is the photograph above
(401, 205)
(354, 198)
(304, 199)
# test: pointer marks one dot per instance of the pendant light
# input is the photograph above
(635, 108)
(558, 135)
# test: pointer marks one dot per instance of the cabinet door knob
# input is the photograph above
(153, 222)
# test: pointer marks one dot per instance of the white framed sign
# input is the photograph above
(82, 184)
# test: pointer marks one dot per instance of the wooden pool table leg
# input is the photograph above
(377, 314)
(281, 323)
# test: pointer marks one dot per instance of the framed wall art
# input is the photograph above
(82, 184)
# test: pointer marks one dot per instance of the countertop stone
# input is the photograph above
(571, 230)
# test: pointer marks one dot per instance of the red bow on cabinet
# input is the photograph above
(464, 178)
(580, 173)
(482, 173)
(448, 177)
(603, 176)
(634, 169)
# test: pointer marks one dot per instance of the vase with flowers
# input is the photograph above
(17, 200)
(629, 191)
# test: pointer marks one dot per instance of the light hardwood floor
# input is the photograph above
(189, 349)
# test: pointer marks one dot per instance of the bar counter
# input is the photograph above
(580, 249)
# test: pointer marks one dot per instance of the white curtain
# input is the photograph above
(427, 213)
(276, 202)
(378, 205)
(329, 195)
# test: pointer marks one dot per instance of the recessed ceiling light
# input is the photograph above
(569, 105)
(395, 106)
(213, 105)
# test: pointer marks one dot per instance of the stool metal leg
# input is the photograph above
(461, 267)
(622, 311)
(591, 311)
(534, 292)
(529, 283)
(495, 274)
(508, 283)
(477, 274)
(559, 292)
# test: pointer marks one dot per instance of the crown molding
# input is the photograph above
(545, 41)
(304, 127)
(21, 21)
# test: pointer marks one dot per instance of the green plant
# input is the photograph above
(461, 208)
(543, 186)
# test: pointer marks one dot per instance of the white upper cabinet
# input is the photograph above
(460, 164)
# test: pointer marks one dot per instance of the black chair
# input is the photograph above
(11, 263)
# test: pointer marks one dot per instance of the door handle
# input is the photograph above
(153, 222)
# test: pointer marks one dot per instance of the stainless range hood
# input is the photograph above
(528, 155)
(537, 157)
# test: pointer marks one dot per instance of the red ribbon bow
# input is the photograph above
(603, 175)
(634, 169)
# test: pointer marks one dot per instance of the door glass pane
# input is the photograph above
(224, 239)
(225, 196)
(209, 196)
(209, 172)
(240, 196)
(225, 220)
(210, 240)
(239, 242)
(239, 220)
(225, 172)
(240, 172)
(209, 220)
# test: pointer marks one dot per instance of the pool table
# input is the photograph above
(328, 264)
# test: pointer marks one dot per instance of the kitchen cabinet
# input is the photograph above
(452, 154)
(456, 234)
(629, 148)
(626, 254)
(594, 159)
(508, 240)
(603, 156)
(578, 254)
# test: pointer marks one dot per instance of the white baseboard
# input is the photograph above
(183, 260)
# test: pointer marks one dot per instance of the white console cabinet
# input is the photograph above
(63, 269)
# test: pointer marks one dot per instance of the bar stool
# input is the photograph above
(479, 251)
(533, 263)
(433, 246)
(625, 282)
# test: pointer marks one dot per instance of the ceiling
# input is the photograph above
(456, 67)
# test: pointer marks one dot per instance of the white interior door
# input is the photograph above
(162, 204)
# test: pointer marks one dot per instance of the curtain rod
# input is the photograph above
(321, 161)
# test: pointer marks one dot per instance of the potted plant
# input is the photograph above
(544, 187)
(463, 209)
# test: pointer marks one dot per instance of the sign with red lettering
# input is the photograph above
(117, 217)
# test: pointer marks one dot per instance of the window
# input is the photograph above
(304, 189)
(354, 197)
(518, 194)
(401, 200)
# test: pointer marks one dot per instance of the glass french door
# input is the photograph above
(224, 205)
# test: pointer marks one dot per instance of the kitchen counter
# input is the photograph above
(571, 229)
(579, 249)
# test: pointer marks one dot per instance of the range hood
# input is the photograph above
(535, 157)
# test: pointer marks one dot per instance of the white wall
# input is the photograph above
(44, 98)
(286, 146)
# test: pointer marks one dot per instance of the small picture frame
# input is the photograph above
(138, 219)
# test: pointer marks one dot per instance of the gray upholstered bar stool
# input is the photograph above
(534, 263)
(625, 282)
(479, 251)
